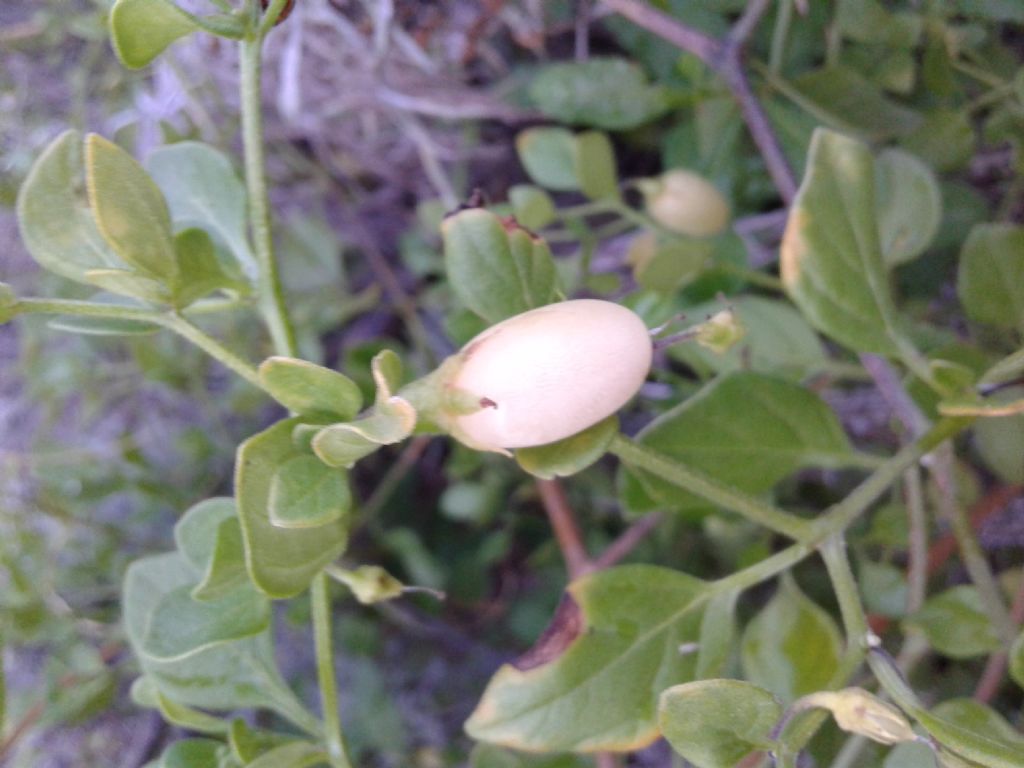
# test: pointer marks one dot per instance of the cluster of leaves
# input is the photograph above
(634, 652)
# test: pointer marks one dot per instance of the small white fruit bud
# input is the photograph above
(549, 373)
(684, 202)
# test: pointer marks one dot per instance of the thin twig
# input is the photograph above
(566, 529)
(628, 540)
(917, 541)
(895, 394)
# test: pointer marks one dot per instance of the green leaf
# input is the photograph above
(666, 264)
(180, 626)
(778, 340)
(281, 561)
(974, 716)
(595, 166)
(142, 29)
(717, 634)
(991, 10)
(342, 445)
(226, 569)
(192, 753)
(305, 493)
(489, 756)
(945, 139)
(248, 744)
(847, 101)
(571, 455)
(955, 625)
(54, 216)
(745, 429)
(990, 282)
(607, 93)
(549, 157)
(187, 717)
(591, 683)
(791, 647)
(125, 283)
(884, 587)
(309, 389)
(298, 754)
(203, 191)
(495, 270)
(129, 208)
(195, 534)
(230, 675)
(715, 723)
(868, 21)
(533, 207)
(831, 259)
(908, 205)
(1001, 443)
(198, 271)
(1016, 660)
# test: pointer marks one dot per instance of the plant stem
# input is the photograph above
(271, 296)
(783, 19)
(320, 598)
(989, 593)
(169, 320)
(212, 347)
(833, 552)
(567, 530)
(672, 471)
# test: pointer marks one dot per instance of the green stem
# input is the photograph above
(752, 276)
(841, 515)
(672, 471)
(989, 594)
(780, 33)
(319, 595)
(765, 569)
(271, 296)
(833, 552)
(212, 347)
(170, 321)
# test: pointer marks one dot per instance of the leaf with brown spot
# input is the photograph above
(592, 682)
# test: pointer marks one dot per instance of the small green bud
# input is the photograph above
(857, 711)
(370, 583)
(720, 332)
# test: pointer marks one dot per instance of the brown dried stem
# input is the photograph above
(567, 530)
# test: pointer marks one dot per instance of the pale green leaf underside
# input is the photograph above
(54, 216)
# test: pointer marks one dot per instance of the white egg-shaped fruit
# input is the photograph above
(687, 203)
(551, 372)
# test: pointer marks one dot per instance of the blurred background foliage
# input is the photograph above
(380, 117)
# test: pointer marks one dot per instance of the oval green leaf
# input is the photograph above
(496, 270)
(309, 389)
(908, 205)
(571, 455)
(990, 281)
(715, 723)
(792, 646)
(549, 157)
(955, 625)
(203, 190)
(142, 29)
(129, 208)
(306, 493)
(54, 216)
(281, 561)
(591, 682)
(831, 259)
